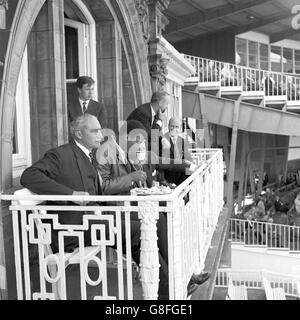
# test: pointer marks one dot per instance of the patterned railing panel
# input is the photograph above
(192, 211)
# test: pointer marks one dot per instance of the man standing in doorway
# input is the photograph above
(85, 103)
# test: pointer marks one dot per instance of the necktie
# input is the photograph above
(84, 107)
(98, 178)
(155, 119)
(92, 158)
(176, 149)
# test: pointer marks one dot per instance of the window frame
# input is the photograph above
(22, 159)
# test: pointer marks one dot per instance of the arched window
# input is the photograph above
(80, 44)
(21, 134)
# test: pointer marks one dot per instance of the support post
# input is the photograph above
(285, 159)
(243, 167)
(261, 163)
(233, 155)
(202, 102)
(251, 176)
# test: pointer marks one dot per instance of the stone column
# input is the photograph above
(149, 260)
(47, 87)
(109, 53)
(157, 23)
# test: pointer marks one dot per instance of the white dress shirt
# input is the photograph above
(159, 122)
(84, 149)
(87, 153)
(86, 103)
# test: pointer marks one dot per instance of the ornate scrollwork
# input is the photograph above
(159, 71)
(143, 12)
(4, 4)
(148, 213)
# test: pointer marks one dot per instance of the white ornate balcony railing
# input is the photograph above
(192, 211)
(252, 279)
(265, 234)
(272, 84)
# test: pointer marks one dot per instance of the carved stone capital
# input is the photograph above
(158, 73)
(4, 4)
(143, 13)
(148, 213)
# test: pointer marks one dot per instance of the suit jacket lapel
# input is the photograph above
(172, 147)
(179, 143)
(77, 109)
(91, 107)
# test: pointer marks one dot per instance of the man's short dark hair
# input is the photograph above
(84, 80)
(158, 96)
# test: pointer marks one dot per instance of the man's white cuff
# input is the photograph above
(192, 167)
(159, 122)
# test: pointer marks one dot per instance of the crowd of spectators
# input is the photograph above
(276, 205)
(277, 209)
(273, 84)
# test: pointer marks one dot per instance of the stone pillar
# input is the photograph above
(149, 258)
(157, 23)
(109, 53)
(47, 87)
(128, 90)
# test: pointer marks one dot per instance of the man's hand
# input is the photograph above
(137, 176)
(192, 167)
(80, 193)
(162, 114)
(188, 162)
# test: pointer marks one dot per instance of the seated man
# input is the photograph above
(71, 170)
(121, 171)
(68, 170)
(175, 147)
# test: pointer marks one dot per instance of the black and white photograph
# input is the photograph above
(149, 150)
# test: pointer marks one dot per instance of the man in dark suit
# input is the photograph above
(174, 146)
(69, 170)
(151, 115)
(84, 103)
